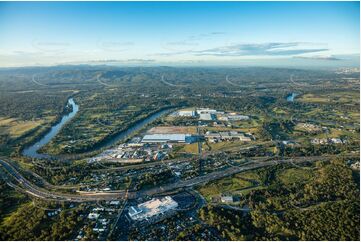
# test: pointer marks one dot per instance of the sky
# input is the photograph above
(180, 33)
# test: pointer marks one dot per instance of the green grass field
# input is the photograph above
(226, 185)
(295, 175)
(16, 128)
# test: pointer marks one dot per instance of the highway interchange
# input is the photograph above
(24, 185)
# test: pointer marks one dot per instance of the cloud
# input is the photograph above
(190, 42)
(217, 33)
(114, 45)
(182, 42)
(205, 35)
(331, 58)
(267, 49)
(264, 49)
(112, 61)
(141, 60)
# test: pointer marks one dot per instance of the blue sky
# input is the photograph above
(179, 33)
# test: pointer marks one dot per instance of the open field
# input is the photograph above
(190, 148)
(225, 185)
(16, 128)
(295, 176)
(226, 145)
(338, 97)
(311, 98)
(173, 130)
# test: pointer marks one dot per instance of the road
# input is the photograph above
(120, 212)
(49, 185)
(143, 165)
(42, 193)
(38, 83)
(217, 175)
(171, 84)
(105, 84)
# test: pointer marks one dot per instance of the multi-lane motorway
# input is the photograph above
(39, 192)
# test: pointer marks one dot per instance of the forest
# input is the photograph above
(324, 208)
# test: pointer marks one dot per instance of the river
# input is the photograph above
(291, 97)
(32, 151)
(134, 128)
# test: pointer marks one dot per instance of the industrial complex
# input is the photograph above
(207, 114)
(228, 135)
(157, 142)
(171, 138)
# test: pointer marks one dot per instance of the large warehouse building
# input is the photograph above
(207, 116)
(187, 113)
(152, 208)
(169, 138)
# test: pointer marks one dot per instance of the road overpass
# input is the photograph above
(42, 193)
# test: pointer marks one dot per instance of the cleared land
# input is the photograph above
(173, 130)
(230, 185)
(16, 128)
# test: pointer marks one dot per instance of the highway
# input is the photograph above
(218, 175)
(143, 165)
(42, 193)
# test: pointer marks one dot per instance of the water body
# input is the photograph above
(291, 97)
(134, 128)
(32, 151)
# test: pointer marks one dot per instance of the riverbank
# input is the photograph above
(134, 127)
(32, 150)
(291, 97)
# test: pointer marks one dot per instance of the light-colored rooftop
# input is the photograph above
(207, 116)
(165, 138)
(152, 208)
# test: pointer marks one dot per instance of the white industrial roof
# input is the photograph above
(165, 137)
(206, 116)
(152, 208)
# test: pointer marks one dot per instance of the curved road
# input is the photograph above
(42, 193)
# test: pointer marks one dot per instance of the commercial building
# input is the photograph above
(207, 110)
(187, 113)
(171, 138)
(227, 199)
(93, 215)
(233, 117)
(328, 141)
(207, 116)
(223, 118)
(237, 117)
(227, 135)
(151, 209)
(234, 135)
(213, 135)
